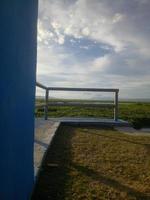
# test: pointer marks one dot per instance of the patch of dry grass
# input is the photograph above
(95, 164)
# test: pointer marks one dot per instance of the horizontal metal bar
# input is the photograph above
(84, 89)
(109, 105)
(106, 105)
(40, 85)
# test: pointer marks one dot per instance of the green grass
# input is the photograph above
(95, 164)
(136, 113)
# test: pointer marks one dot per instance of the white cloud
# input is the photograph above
(117, 18)
(99, 21)
(122, 26)
(100, 64)
(86, 31)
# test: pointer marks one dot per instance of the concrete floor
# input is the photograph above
(44, 132)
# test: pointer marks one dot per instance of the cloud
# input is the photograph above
(120, 28)
(124, 64)
(103, 21)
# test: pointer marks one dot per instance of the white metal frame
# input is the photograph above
(105, 105)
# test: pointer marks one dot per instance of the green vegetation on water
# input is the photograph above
(136, 113)
(95, 164)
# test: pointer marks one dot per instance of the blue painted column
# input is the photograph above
(18, 21)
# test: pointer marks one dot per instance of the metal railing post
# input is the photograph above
(46, 104)
(116, 106)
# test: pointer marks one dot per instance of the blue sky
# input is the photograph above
(98, 43)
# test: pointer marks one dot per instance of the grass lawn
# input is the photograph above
(136, 113)
(95, 164)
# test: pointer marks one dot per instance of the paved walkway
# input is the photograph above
(44, 132)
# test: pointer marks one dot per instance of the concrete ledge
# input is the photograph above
(90, 121)
(44, 133)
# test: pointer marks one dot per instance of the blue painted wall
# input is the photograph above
(18, 19)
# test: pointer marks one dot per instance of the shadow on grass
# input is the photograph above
(54, 175)
(54, 171)
(111, 182)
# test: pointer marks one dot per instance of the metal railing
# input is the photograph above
(104, 105)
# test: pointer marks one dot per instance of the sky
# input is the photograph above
(95, 43)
